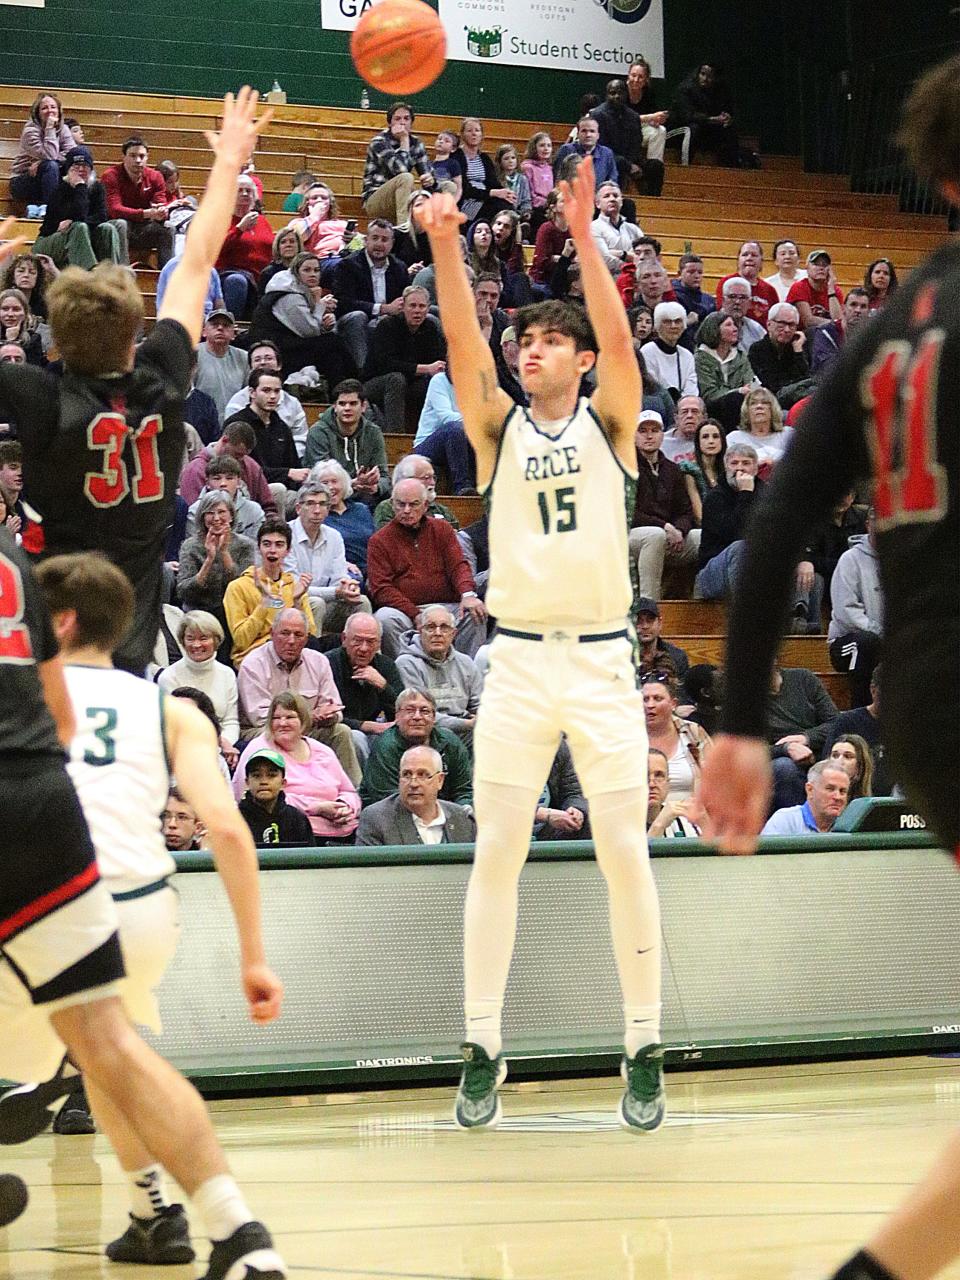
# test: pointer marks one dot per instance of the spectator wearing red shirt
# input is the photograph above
(551, 238)
(416, 560)
(137, 196)
(247, 249)
(818, 298)
(762, 295)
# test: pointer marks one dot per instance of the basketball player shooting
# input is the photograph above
(561, 479)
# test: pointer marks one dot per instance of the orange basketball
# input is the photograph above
(399, 46)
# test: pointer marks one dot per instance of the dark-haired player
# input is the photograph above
(890, 410)
(102, 446)
(561, 477)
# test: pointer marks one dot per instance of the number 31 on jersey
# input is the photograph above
(108, 487)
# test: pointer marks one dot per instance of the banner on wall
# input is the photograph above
(601, 36)
(343, 15)
(25, 4)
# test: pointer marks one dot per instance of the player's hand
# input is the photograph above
(240, 127)
(264, 992)
(12, 246)
(579, 203)
(734, 792)
(440, 218)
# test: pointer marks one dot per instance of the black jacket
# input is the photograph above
(621, 131)
(725, 514)
(286, 825)
(362, 701)
(85, 202)
(396, 348)
(275, 449)
(353, 282)
(777, 366)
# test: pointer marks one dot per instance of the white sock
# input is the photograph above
(221, 1206)
(147, 1190)
(642, 1028)
(483, 1025)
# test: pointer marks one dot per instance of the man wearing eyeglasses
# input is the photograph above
(737, 296)
(779, 359)
(431, 662)
(416, 726)
(416, 814)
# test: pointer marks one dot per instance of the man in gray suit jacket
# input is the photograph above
(416, 815)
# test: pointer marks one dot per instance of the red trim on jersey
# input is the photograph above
(49, 901)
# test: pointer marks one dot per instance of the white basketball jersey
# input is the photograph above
(118, 763)
(561, 502)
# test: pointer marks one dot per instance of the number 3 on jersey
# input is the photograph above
(108, 432)
(566, 515)
(15, 643)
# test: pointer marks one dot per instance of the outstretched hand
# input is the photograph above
(734, 790)
(439, 217)
(11, 247)
(579, 201)
(240, 127)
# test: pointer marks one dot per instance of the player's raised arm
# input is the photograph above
(619, 388)
(193, 758)
(482, 402)
(232, 146)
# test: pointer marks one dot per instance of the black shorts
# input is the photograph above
(58, 927)
(920, 727)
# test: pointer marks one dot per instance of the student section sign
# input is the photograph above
(599, 36)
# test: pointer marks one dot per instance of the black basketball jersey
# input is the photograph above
(27, 729)
(889, 412)
(101, 458)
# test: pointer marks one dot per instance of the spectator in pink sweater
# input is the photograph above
(44, 142)
(537, 166)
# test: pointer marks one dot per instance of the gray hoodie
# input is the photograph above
(455, 683)
(855, 591)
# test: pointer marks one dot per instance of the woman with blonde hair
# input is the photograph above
(199, 635)
(762, 425)
(19, 326)
(317, 223)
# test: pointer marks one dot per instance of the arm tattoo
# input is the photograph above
(488, 386)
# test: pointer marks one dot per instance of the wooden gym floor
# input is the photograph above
(760, 1174)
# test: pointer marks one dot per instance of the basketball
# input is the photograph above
(13, 1198)
(399, 46)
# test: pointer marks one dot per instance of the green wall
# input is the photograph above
(208, 46)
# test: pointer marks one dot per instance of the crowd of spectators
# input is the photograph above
(329, 611)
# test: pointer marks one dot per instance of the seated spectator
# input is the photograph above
(787, 257)
(20, 518)
(679, 443)
(203, 704)
(19, 326)
(642, 319)
(779, 359)
(482, 256)
(726, 510)
(182, 831)
(828, 339)
(315, 781)
(562, 813)
(344, 433)
(317, 552)
(405, 352)
(221, 367)
(30, 273)
(264, 354)
(833, 539)
(667, 817)
(552, 238)
(413, 467)
(682, 742)
(137, 196)
(367, 681)
(880, 281)
(236, 442)
(368, 285)
(213, 556)
(762, 295)
(640, 100)
(393, 157)
(475, 541)
(661, 528)
(512, 179)
(800, 713)
(180, 206)
(76, 231)
(247, 249)
(416, 560)
(652, 281)
(588, 144)
(301, 182)
(318, 225)
(445, 168)
(200, 635)
(827, 788)
(537, 167)
(507, 360)
(707, 469)
(852, 754)
(818, 297)
(411, 245)
(671, 364)
(44, 143)
(75, 127)
(441, 436)
(622, 133)
(761, 424)
(736, 302)
(481, 195)
(508, 251)
(348, 515)
(614, 236)
(264, 807)
(252, 601)
(704, 104)
(212, 302)
(287, 245)
(416, 727)
(724, 373)
(274, 448)
(856, 621)
(690, 295)
(703, 685)
(492, 318)
(416, 814)
(285, 663)
(429, 661)
(864, 723)
(298, 315)
(657, 654)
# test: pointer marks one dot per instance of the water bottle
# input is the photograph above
(364, 99)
